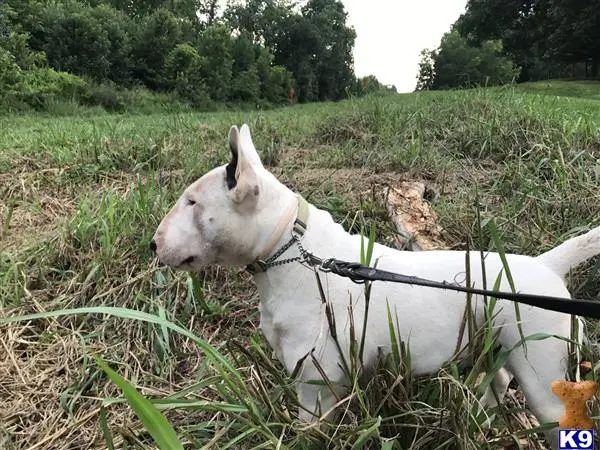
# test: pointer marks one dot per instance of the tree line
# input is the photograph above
(256, 51)
(500, 41)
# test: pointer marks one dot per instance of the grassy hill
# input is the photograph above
(80, 198)
(589, 89)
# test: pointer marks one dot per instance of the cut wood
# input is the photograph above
(414, 218)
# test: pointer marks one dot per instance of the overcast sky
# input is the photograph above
(392, 33)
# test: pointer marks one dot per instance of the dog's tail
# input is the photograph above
(572, 252)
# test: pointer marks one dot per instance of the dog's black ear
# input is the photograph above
(234, 140)
(240, 175)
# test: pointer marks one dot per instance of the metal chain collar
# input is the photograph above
(305, 257)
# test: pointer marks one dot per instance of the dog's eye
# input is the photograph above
(191, 202)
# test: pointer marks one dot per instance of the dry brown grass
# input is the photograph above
(53, 396)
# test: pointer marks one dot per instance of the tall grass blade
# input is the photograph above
(106, 433)
(365, 435)
(500, 249)
(154, 422)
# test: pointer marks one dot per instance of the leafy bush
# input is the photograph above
(106, 96)
(10, 72)
(279, 83)
(246, 85)
(41, 84)
(36, 87)
(25, 82)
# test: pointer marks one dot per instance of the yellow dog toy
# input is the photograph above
(574, 396)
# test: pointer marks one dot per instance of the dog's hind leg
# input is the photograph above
(494, 394)
(545, 362)
(316, 401)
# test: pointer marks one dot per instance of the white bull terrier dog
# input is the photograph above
(239, 214)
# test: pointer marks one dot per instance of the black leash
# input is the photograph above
(359, 274)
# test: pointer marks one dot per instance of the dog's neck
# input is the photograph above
(323, 237)
(278, 215)
(322, 234)
(296, 213)
(281, 229)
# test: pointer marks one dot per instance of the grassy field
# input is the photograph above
(80, 198)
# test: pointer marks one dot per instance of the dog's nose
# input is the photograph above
(153, 245)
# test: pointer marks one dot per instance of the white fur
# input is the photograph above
(563, 258)
(233, 226)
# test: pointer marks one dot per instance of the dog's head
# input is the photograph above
(224, 216)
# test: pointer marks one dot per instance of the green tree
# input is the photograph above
(259, 49)
(11, 76)
(78, 38)
(369, 84)
(334, 61)
(426, 72)
(25, 81)
(183, 71)
(519, 24)
(543, 37)
(216, 46)
(574, 32)
(263, 62)
(243, 53)
(208, 10)
(263, 20)
(155, 37)
(458, 64)
(16, 43)
(275, 81)
(315, 44)
(297, 49)
(184, 9)
(280, 82)
(246, 83)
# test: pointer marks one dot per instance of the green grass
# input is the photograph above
(80, 198)
(564, 88)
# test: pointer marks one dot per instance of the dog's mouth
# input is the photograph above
(187, 261)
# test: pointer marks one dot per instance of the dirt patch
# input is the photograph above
(296, 155)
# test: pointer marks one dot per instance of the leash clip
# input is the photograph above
(326, 265)
(257, 266)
